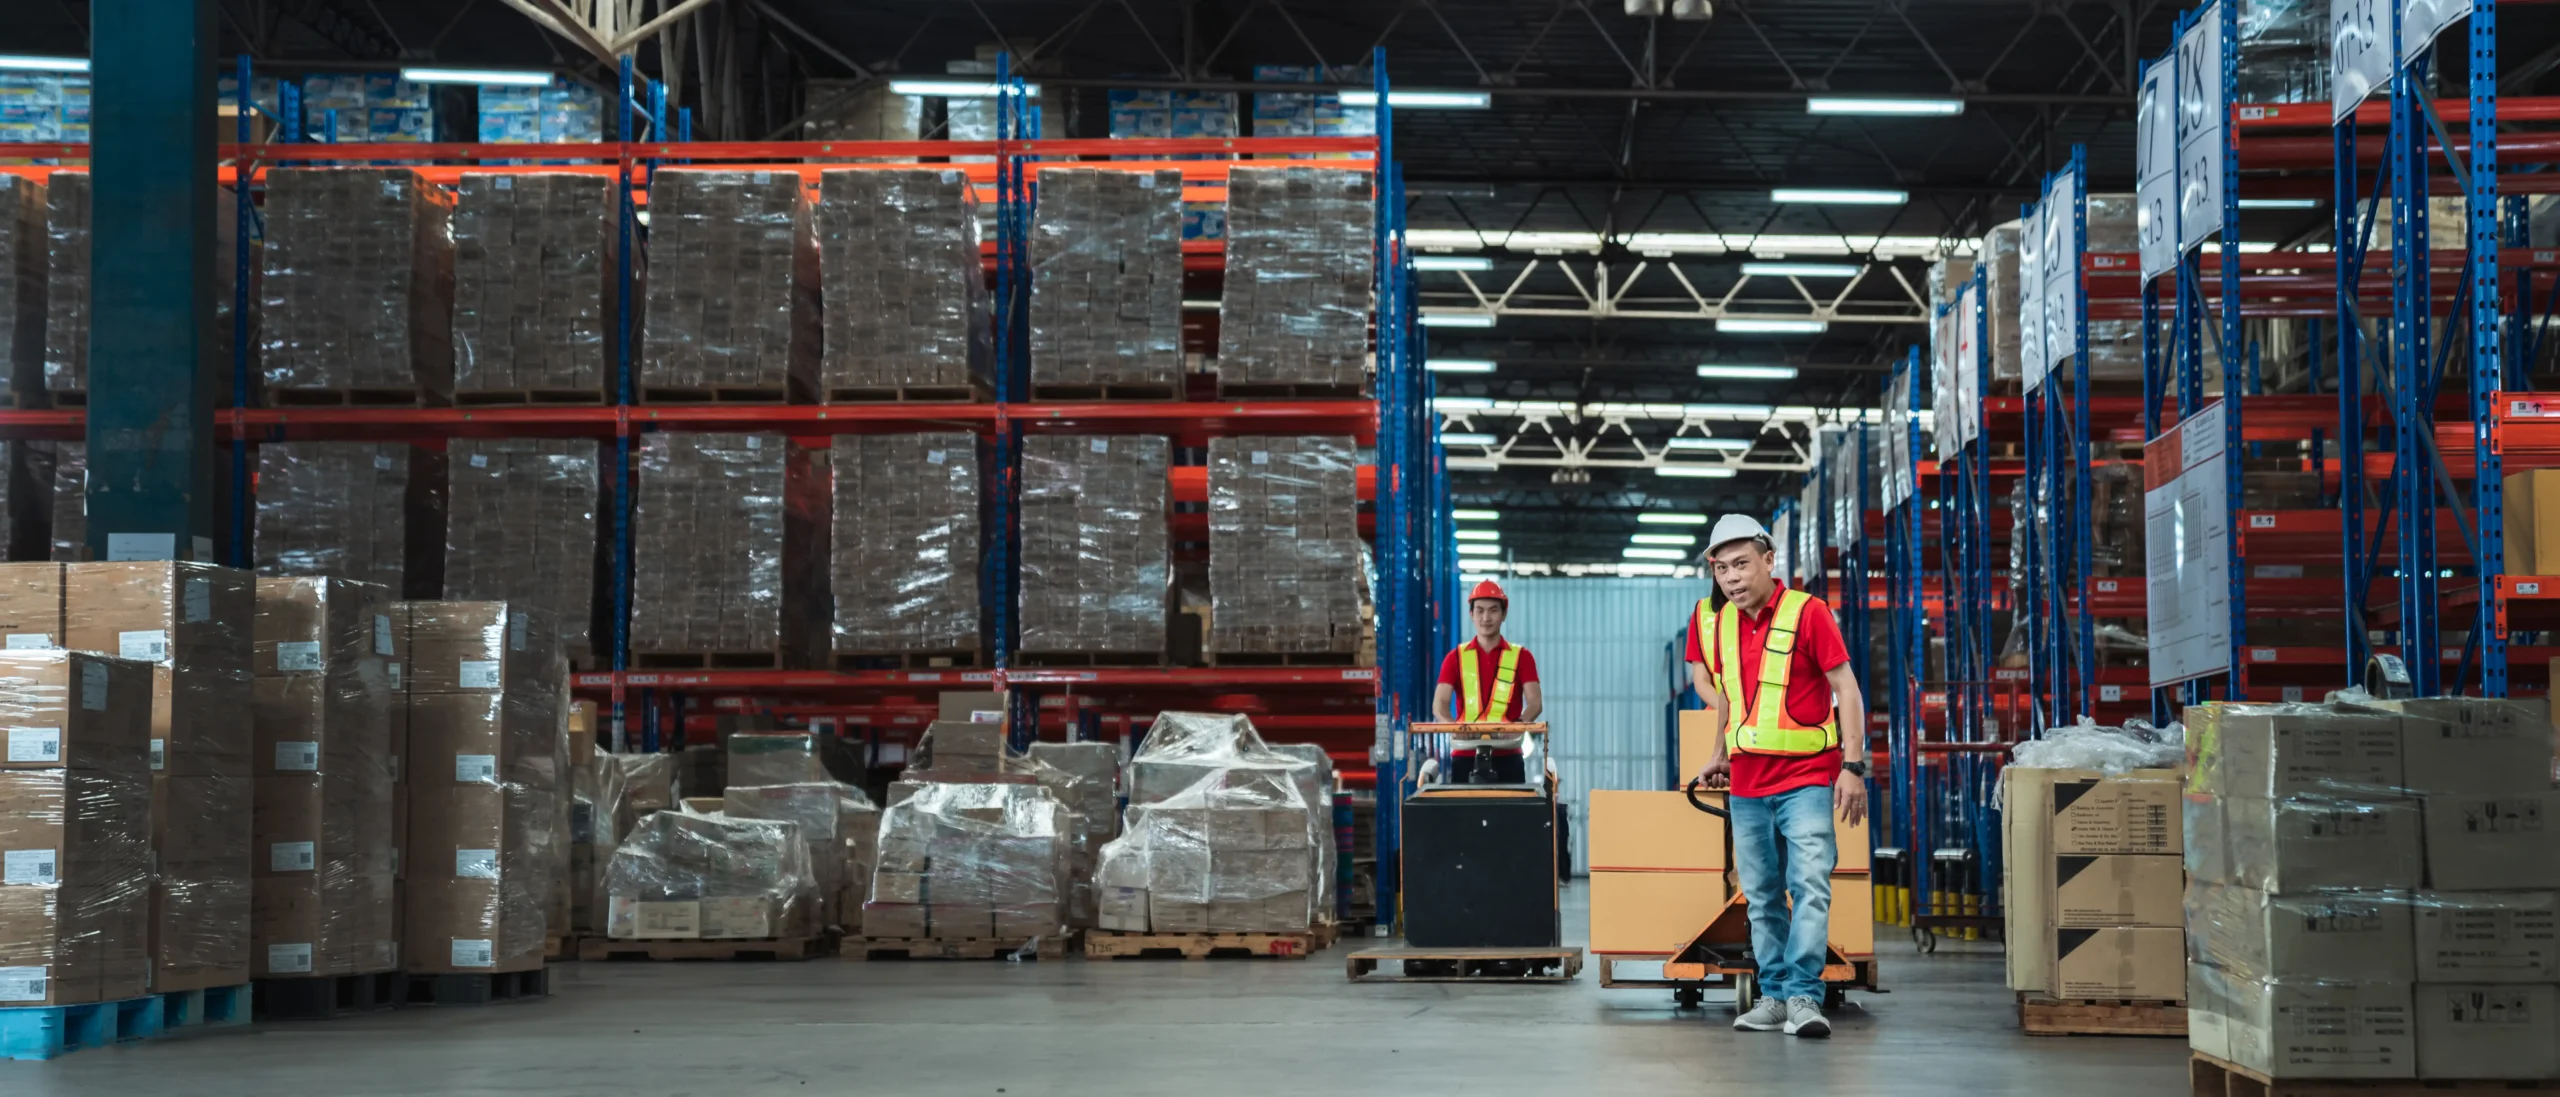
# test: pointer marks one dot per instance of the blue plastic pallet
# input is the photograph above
(48, 1032)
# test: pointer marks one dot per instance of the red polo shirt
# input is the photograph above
(1488, 664)
(1819, 649)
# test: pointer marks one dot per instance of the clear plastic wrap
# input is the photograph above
(75, 829)
(2105, 748)
(1086, 777)
(1184, 751)
(358, 289)
(369, 511)
(1230, 855)
(905, 286)
(958, 747)
(523, 527)
(1284, 545)
(2000, 289)
(321, 849)
(23, 272)
(1299, 271)
(2284, 52)
(838, 824)
(774, 758)
(906, 543)
(533, 282)
(611, 794)
(735, 558)
(70, 498)
(685, 875)
(1097, 566)
(733, 282)
(971, 860)
(66, 324)
(1106, 284)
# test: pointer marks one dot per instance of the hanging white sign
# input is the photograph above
(2202, 115)
(1968, 426)
(2422, 20)
(2155, 188)
(2032, 364)
(2062, 266)
(2359, 53)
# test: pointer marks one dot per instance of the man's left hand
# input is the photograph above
(1849, 794)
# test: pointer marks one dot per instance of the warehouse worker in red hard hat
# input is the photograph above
(1487, 680)
(1779, 691)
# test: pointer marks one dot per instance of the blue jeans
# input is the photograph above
(1783, 846)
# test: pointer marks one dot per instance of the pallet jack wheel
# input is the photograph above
(1926, 940)
(1834, 996)
(1746, 991)
(1688, 997)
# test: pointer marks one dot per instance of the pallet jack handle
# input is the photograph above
(1692, 789)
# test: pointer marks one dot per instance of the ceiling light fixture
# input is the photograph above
(1478, 535)
(1838, 196)
(1664, 518)
(1749, 373)
(1457, 319)
(1423, 100)
(1770, 327)
(1479, 550)
(1465, 515)
(1473, 464)
(1452, 262)
(1696, 472)
(1665, 538)
(1461, 403)
(26, 63)
(2279, 203)
(512, 78)
(1802, 270)
(1458, 365)
(1463, 438)
(1728, 445)
(1654, 554)
(954, 89)
(1899, 107)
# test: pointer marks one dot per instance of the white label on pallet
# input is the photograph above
(159, 754)
(1261, 457)
(289, 959)
(475, 864)
(292, 857)
(297, 756)
(474, 954)
(395, 676)
(2262, 521)
(475, 769)
(479, 674)
(2292, 694)
(298, 655)
(516, 631)
(382, 462)
(35, 744)
(150, 645)
(198, 600)
(29, 866)
(382, 637)
(93, 686)
(1099, 445)
(30, 641)
(23, 984)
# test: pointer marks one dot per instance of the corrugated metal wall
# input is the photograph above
(1602, 662)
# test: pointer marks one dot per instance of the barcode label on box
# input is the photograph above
(149, 646)
(93, 686)
(475, 769)
(198, 599)
(289, 959)
(933, 457)
(475, 864)
(515, 632)
(298, 756)
(35, 744)
(382, 637)
(479, 674)
(506, 182)
(479, 460)
(22, 984)
(395, 676)
(29, 866)
(474, 954)
(298, 655)
(159, 754)
(382, 462)
(30, 641)
(291, 857)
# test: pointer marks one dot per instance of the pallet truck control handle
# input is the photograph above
(1692, 790)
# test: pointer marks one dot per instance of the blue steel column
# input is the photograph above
(2412, 473)
(2488, 362)
(2351, 233)
(244, 107)
(150, 436)
(2082, 517)
(2234, 350)
(1397, 581)
(627, 222)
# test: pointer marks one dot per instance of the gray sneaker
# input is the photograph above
(1804, 1018)
(1765, 1015)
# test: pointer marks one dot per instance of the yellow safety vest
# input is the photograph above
(1753, 729)
(1473, 706)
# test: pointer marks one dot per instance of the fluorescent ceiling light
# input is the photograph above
(1826, 105)
(1478, 535)
(1552, 241)
(1729, 445)
(1666, 242)
(1461, 403)
(1661, 518)
(1696, 472)
(1452, 262)
(953, 89)
(1463, 438)
(1201, 306)
(1838, 196)
(1654, 554)
(1457, 319)
(1727, 411)
(1458, 365)
(1426, 100)
(1748, 373)
(1770, 327)
(1802, 270)
(2279, 203)
(25, 63)
(513, 78)
(1465, 515)
(1473, 464)
(1665, 538)
(1443, 238)
(1479, 550)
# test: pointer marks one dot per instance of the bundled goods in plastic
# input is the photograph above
(838, 824)
(1106, 283)
(1229, 790)
(953, 749)
(75, 828)
(1285, 555)
(373, 512)
(24, 268)
(358, 290)
(70, 499)
(1097, 558)
(523, 528)
(322, 899)
(534, 282)
(66, 288)
(906, 543)
(735, 559)
(2284, 52)
(686, 875)
(610, 793)
(2371, 888)
(1299, 277)
(2000, 292)
(904, 283)
(487, 860)
(733, 282)
(971, 860)
(861, 110)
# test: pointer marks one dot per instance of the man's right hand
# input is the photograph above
(1718, 774)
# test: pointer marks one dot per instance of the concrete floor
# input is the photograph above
(1126, 1029)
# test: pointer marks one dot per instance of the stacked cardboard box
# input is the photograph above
(23, 272)
(1106, 283)
(487, 855)
(1299, 272)
(75, 828)
(70, 501)
(2372, 889)
(905, 543)
(1231, 855)
(906, 297)
(1096, 554)
(956, 749)
(2091, 883)
(523, 528)
(733, 282)
(835, 822)
(1657, 871)
(970, 860)
(685, 875)
(322, 901)
(1085, 777)
(358, 289)
(1853, 886)
(533, 286)
(1285, 556)
(610, 793)
(735, 559)
(373, 512)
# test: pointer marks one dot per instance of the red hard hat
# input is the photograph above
(1489, 589)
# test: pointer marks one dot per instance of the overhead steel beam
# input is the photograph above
(550, 16)
(1668, 95)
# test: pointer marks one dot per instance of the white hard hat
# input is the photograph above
(1736, 527)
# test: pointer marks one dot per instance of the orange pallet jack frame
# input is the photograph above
(1722, 952)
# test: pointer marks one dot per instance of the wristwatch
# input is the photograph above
(1857, 767)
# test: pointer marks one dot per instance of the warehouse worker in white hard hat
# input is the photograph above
(1775, 675)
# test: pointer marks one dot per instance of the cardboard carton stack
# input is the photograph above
(75, 829)
(1299, 272)
(1106, 282)
(1206, 783)
(1657, 871)
(733, 282)
(970, 860)
(683, 875)
(735, 560)
(836, 822)
(905, 543)
(1285, 556)
(1085, 777)
(906, 297)
(373, 512)
(2373, 888)
(358, 290)
(1096, 554)
(323, 898)
(610, 793)
(2091, 883)
(487, 853)
(534, 283)
(1853, 892)
(523, 528)
(70, 501)
(23, 271)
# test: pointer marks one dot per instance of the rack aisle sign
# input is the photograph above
(1944, 390)
(2060, 216)
(2422, 20)
(1968, 374)
(2359, 53)
(2155, 188)
(2202, 116)
(2186, 527)
(2032, 364)
(1897, 460)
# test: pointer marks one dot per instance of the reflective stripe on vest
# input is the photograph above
(1474, 706)
(1754, 729)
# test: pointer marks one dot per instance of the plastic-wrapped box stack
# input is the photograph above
(2372, 890)
(971, 860)
(1220, 837)
(1284, 546)
(487, 850)
(1096, 552)
(685, 876)
(322, 899)
(2090, 881)
(734, 563)
(358, 290)
(776, 777)
(609, 795)
(70, 501)
(733, 284)
(906, 543)
(564, 112)
(905, 289)
(66, 288)
(523, 528)
(24, 268)
(533, 284)
(1299, 272)
(373, 512)
(2000, 290)
(2284, 52)
(1106, 283)
(1086, 777)
(75, 829)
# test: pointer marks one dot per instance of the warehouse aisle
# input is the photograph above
(1122, 1029)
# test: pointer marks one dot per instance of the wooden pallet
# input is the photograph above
(383, 397)
(1104, 944)
(2042, 1016)
(939, 659)
(555, 397)
(477, 988)
(302, 998)
(768, 659)
(1285, 659)
(1089, 658)
(1112, 392)
(1227, 391)
(762, 948)
(1464, 965)
(560, 947)
(2212, 1077)
(1048, 947)
(908, 394)
(715, 394)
